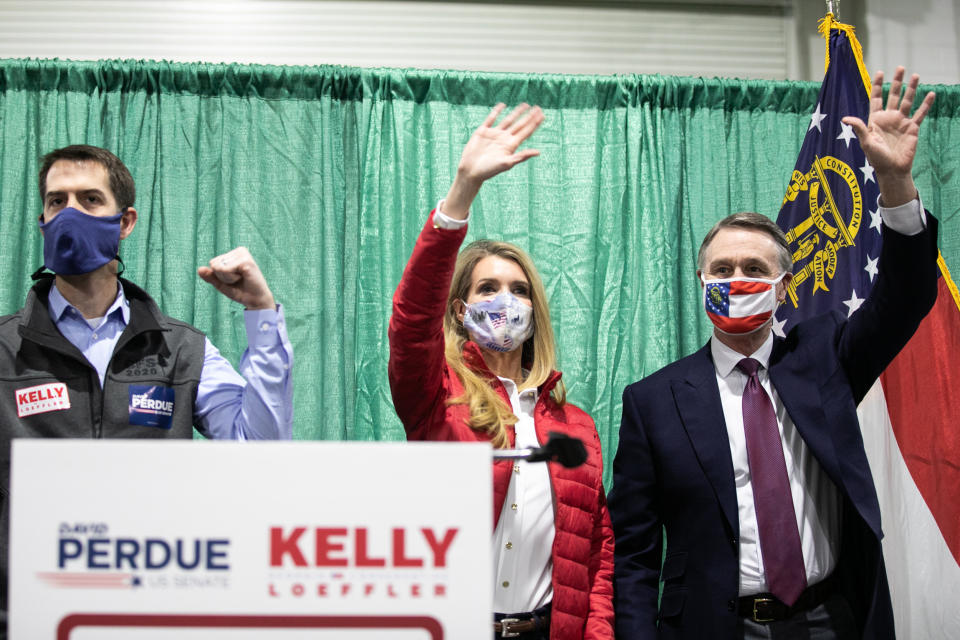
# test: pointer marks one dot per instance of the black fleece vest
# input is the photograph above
(157, 361)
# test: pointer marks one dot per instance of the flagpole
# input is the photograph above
(833, 6)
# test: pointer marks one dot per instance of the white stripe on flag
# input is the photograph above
(749, 304)
(923, 574)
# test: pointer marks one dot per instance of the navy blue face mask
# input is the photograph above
(75, 242)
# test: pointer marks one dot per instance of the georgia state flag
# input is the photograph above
(738, 306)
(909, 418)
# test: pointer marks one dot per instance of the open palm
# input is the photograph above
(889, 138)
(493, 149)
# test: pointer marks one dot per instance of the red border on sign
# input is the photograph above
(149, 620)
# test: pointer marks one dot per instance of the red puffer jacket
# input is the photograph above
(421, 382)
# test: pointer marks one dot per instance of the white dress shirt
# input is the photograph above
(523, 539)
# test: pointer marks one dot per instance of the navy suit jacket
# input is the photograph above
(673, 469)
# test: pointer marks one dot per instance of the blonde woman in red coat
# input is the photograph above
(472, 359)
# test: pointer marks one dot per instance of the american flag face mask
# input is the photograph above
(502, 323)
(739, 306)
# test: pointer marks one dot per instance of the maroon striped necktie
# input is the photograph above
(776, 520)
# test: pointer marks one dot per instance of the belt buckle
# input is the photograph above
(756, 616)
(505, 631)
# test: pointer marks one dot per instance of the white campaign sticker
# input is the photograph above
(42, 398)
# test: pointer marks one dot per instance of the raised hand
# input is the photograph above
(889, 137)
(492, 149)
(236, 275)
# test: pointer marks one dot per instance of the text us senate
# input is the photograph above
(358, 547)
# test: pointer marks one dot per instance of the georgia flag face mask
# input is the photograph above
(740, 305)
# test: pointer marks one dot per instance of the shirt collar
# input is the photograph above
(511, 387)
(725, 359)
(59, 305)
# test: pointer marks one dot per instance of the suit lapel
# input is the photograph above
(698, 403)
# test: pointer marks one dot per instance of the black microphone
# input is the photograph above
(560, 447)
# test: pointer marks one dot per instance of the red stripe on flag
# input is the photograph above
(922, 387)
(737, 325)
(83, 579)
(90, 585)
(87, 580)
(741, 288)
(82, 576)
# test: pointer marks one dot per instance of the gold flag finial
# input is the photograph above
(828, 23)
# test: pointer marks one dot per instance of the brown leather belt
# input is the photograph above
(765, 607)
(513, 627)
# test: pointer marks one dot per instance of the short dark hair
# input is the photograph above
(753, 222)
(121, 182)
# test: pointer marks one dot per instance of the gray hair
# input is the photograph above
(753, 222)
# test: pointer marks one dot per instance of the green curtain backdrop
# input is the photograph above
(327, 173)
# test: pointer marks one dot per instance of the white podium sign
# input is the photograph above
(188, 540)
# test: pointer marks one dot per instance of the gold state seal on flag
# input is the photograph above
(827, 229)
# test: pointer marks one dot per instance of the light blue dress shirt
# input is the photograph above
(255, 406)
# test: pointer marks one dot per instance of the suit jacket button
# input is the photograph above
(731, 605)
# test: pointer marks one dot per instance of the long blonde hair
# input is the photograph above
(488, 411)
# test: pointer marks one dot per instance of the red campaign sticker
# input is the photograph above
(41, 399)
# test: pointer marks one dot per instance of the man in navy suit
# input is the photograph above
(781, 541)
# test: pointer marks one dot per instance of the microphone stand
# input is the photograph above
(561, 448)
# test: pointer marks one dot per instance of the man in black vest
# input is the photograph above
(91, 355)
